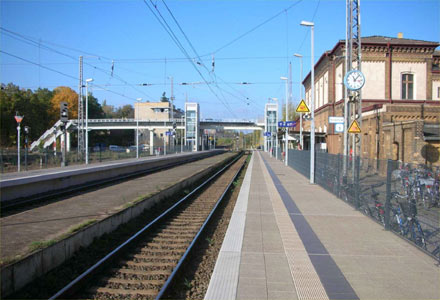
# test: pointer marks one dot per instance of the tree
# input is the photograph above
(293, 115)
(95, 110)
(63, 94)
(109, 110)
(126, 111)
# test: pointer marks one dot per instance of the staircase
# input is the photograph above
(51, 134)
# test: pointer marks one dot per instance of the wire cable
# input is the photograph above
(61, 73)
(30, 41)
(175, 39)
(40, 65)
(306, 34)
(254, 28)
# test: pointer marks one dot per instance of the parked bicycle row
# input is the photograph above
(401, 197)
(420, 184)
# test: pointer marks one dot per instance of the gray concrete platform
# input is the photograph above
(289, 239)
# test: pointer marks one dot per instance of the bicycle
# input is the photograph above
(378, 211)
(407, 223)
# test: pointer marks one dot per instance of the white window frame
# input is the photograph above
(413, 83)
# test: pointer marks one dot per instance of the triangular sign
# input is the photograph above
(354, 127)
(302, 107)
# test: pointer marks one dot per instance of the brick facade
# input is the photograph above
(392, 128)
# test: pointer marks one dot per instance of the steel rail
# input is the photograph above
(69, 287)
(182, 259)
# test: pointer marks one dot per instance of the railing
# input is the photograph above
(51, 159)
(404, 198)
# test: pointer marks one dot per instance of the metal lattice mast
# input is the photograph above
(354, 62)
(80, 111)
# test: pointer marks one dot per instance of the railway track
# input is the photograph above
(144, 265)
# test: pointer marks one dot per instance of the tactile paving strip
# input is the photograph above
(305, 277)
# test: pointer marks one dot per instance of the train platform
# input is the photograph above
(42, 225)
(20, 186)
(289, 239)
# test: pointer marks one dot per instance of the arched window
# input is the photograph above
(408, 86)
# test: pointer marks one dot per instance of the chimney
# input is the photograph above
(400, 35)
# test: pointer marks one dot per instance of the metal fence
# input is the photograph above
(404, 198)
(50, 159)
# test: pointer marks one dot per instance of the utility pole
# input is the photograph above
(353, 98)
(80, 126)
(172, 112)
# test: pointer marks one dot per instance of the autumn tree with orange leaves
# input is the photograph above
(63, 94)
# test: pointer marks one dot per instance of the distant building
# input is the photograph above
(400, 99)
(162, 111)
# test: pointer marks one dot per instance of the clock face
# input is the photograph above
(354, 80)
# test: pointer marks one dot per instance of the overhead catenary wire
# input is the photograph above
(30, 41)
(210, 72)
(61, 73)
(306, 34)
(175, 39)
(253, 29)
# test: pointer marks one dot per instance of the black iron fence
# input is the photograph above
(50, 159)
(404, 198)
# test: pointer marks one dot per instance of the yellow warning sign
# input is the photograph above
(302, 107)
(354, 127)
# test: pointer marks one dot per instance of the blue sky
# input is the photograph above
(53, 34)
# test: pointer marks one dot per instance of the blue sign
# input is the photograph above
(267, 133)
(286, 124)
(168, 133)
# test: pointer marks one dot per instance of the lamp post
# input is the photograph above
(312, 124)
(300, 97)
(87, 119)
(287, 117)
(137, 127)
(18, 119)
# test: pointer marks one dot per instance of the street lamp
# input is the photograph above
(300, 98)
(18, 119)
(312, 125)
(287, 116)
(137, 127)
(87, 119)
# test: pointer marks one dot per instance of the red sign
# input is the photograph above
(18, 119)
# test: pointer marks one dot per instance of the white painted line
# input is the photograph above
(224, 279)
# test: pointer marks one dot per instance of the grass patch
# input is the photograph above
(81, 226)
(41, 245)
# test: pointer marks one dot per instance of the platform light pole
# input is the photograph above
(137, 127)
(87, 119)
(300, 98)
(18, 119)
(312, 124)
(287, 116)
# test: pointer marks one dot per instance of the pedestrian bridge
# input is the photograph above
(131, 124)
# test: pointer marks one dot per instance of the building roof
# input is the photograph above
(378, 39)
(381, 40)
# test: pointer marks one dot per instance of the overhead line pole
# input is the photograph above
(80, 146)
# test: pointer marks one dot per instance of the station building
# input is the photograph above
(400, 99)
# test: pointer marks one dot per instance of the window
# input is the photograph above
(438, 92)
(408, 86)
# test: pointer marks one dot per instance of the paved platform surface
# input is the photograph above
(288, 239)
(20, 230)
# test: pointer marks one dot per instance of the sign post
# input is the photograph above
(18, 119)
(301, 108)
